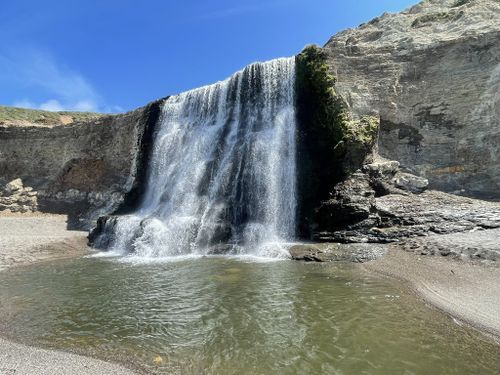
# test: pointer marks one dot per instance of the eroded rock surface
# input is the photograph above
(84, 169)
(432, 74)
(394, 217)
(335, 252)
(477, 244)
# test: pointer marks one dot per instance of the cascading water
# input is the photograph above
(222, 173)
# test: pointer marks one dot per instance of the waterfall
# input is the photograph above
(222, 175)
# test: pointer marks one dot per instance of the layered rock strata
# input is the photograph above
(432, 74)
(84, 169)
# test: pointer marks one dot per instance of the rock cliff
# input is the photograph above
(432, 74)
(427, 80)
(85, 168)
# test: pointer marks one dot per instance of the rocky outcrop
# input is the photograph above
(15, 197)
(379, 204)
(432, 74)
(336, 252)
(84, 169)
(331, 142)
(479, 245)
(396, 217)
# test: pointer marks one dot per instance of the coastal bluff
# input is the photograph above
(431, 74)
(83, 169)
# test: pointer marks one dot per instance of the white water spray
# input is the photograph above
(222, 177)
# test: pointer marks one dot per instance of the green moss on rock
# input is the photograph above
(324, 114)
(331, 144)
(360, 134)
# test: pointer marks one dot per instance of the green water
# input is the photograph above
(226, 316)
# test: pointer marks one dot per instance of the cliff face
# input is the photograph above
(432, 74)
(84, 169)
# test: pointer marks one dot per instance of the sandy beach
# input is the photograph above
(468, 291)
(26, 239)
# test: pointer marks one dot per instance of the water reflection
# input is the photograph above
(224, 316)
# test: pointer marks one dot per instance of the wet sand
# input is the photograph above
(26, 239)
(468, 291)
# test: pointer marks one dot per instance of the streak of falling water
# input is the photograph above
(222, 177)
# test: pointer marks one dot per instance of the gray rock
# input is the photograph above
(476, 244)
(335, 252)
(397, 217)
(435, 82)
(410, 182)
(15, 197)
(13, 186)
(384, 169)
(84, 169)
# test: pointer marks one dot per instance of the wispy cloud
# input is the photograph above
(65, 89)
(237, 10)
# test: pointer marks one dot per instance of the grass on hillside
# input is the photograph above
(23, 116)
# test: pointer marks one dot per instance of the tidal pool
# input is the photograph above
(229, 316)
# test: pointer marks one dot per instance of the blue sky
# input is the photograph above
(116, 55)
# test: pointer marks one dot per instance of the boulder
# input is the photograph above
(352, 201)
(382, 169)
(410, 182)
(13, 186)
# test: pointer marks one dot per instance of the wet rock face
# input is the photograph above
(432, 74)
(84, 169)
(352, 202)
(331, 142)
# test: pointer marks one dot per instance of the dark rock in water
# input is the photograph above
(215, 234)
(100, 236)
(330, 252)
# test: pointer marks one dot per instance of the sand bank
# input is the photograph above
(26, 239)
(468, 291)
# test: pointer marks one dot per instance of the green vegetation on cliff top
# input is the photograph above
(22, 116)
